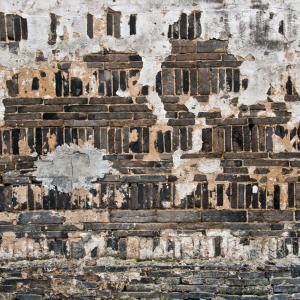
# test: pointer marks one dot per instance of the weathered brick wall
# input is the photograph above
(149, 149)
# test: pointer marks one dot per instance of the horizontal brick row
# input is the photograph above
(231, 142)
(77, 108)
(113, 140)
(153, 192)
(195, 280)
(36, 112)
(257, 138)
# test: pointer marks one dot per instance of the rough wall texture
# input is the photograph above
(149, 149)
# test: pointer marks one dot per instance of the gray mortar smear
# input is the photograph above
(72, 167)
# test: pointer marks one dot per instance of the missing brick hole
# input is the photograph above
(35, 84)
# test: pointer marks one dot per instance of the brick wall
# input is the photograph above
(122, 179)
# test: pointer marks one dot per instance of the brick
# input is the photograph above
(26, 116)
(109, 100)
(207, 139)
(22, 101)
(53, 25)
(2, 27)
(185, 81)
(237, 138)
(270, 216)
(182, 122)
(212, 46)
(135, 216)
(115, 115)
(10, 27)
(223, 216)
(203, 81)
(183, 26)
(90, 32)
(65, 101)
(129, 108)
(167, 82)
(85, 108)
(184, 46)
(40, 218)
(40, 108)
(65, 116)
(17, 28)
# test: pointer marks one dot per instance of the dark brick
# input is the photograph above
(182, 122)
(203, 81)
(28, 116)
(223, 216)
(76, 87)
(158, 83)
(129, 108)
(85, 108)
(53, 25)
(171, 216)
(109, 100)
(12, 86)
(10, 27)
(132, 25)
(132, 216)
(236, 80)
(207, 140)
(168, 82)
(17, 28)
(114, 115)
(229, 80)
(270, 216)
(237, 138)
(41, 217)
(291, 194)
(2, 27)
(212, 46)
(89, 31)
(186, 81)
(183, 26)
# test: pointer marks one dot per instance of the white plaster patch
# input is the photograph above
(209, 165)
(157, 107)
(177, 161)
(185, 189)
(72, 167)
(278, 145)
(197, 140)
(295, 110)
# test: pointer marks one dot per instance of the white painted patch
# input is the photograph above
(197, 140)
(157, 107)
(177, 161)
(195, 107)
(278, 145)
(254, 189)
(295, 110)
(185, 189)
(209, 165)
(72, 167)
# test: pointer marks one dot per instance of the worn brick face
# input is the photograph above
(149, 150)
